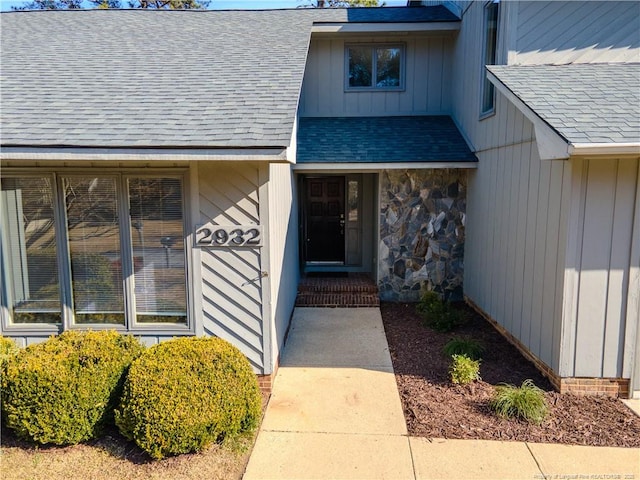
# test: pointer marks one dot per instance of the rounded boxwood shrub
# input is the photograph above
(64, 390)
(184, 394)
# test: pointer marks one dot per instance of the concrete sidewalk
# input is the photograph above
(335, 413)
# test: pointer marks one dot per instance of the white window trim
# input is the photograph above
(131, 324)
(373, 88)
(483, 73)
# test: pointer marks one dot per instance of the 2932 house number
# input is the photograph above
(229, 236)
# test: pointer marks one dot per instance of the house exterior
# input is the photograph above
(178, 173)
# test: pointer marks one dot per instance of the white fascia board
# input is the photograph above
(152, 154)
(551, 145)
(598, 149)
(360, 167)
(385, 27)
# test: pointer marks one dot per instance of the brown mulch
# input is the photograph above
(434, 407)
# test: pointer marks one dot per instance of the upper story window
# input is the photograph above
(374, 67)
(491, 13)
(84, 249)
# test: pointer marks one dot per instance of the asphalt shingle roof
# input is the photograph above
(381, 139)
(137, 78)
(584, 103)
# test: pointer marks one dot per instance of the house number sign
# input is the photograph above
(229, 235)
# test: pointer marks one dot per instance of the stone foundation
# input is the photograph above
(422, 217)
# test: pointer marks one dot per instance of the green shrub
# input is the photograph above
(8, 348)
(526, 402)
(464, 370)
(63, 391)
(184, 394)
(437, 314)
(464, 346)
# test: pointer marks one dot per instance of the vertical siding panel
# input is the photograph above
(434, 80)
(336, 69)
(283, 269)
(625, 186)
(324, 78)
(492, 227)
(512, 273)
(540, 251)
(596, 253)
(522, 186)
(551, 284)
(574, 238)
(413, 57)
(561, 248)
(530, 245)
(420, 78)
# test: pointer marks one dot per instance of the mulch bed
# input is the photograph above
(434, 407)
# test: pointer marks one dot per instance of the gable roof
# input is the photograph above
(161, 79)
(582, 103)
(408, 139)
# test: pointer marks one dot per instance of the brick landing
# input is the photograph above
(355, 290)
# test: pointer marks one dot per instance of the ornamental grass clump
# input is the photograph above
(526, 402)
(464, 346)
(184, 394)
(439, 314)
(63, 391)
(464, 370)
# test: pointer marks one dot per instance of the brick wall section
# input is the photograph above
(610, 387)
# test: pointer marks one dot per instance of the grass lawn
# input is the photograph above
(113, 458)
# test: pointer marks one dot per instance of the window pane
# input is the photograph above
(388, 67)
(491, 41)
(360, 66)
(158, 249)
(32, 289)
(94, 247)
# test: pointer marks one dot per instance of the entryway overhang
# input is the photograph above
(379, 143)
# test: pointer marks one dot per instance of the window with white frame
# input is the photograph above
(374, 67)
(84, 249)
(491, 13)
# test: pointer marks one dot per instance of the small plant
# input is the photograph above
(184, 394)
(63, 391)
(464, 370)
(438, 314)
(464, 346)
(8, 348)
(526, 402)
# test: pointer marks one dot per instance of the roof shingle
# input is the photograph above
(584, 103)
(201, 79)
(381, 139)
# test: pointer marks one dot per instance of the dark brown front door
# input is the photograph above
(324, 219)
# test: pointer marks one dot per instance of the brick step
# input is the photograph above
(343, 299)
(337, 288)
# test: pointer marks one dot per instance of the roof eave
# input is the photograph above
(44, 153)
(391, 27)
(375, 166)
(554, 146)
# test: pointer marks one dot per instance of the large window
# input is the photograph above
(374, 67)
(86, 250)
(491, 13)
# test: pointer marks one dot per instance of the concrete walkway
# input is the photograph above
(335, 413)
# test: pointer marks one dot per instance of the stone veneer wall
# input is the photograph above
(422, 217)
